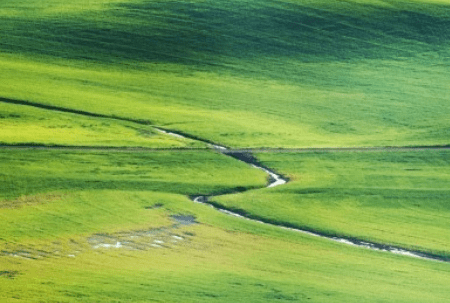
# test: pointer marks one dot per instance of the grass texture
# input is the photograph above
(396, 198)
(243, 73)
(25, 124)
(287, 73)
(46, 254)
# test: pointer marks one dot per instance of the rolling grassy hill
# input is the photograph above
(243, 73)
(99, 227)
(109, 225)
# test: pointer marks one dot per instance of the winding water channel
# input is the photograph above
(247, 157)
(278, 180)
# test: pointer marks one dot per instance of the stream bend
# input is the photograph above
(277, 180)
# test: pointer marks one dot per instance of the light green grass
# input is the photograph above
(399, 198)
(54, 201)
(57, 194)
(24, 124)
(295, 73)
(56, 190)
(250, 264)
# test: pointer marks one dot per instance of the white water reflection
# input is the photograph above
(171, 134)
(277, 181)
(277, 178)
(104, 245)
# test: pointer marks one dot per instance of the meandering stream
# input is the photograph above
(244, 155)
(278, 180)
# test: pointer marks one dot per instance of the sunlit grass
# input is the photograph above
(216, 264)
(27, 125)
(297, 73)
(398, 198)
(260, 112)
(317, 73)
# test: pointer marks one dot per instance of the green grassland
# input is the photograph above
(254, 73)
(224, 266)
(51, 194)
(24, 124)
(242, 73)
(221, 258)
(398, 198)
(192, 172)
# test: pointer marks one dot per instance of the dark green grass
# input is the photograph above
(399, 198)
(30, 172)
(212, 33)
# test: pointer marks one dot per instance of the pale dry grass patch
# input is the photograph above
(28, 200)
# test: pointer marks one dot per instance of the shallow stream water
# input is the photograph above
(278, 180)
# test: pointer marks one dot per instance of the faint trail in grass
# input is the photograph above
(179, 134)
(98, 148)
(70, 110)
(244, 155)
(235, 153)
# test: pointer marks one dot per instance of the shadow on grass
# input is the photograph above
(220, 32)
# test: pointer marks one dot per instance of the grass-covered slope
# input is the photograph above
(220, 32)
(56, 206)
(21, 124)
(243, 73)
(399, 198)
(107, 225)
(53, 194)
(25, 172)
(215, 265)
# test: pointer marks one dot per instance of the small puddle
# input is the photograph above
(103, 245)
(184, 220)
(144, 239)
